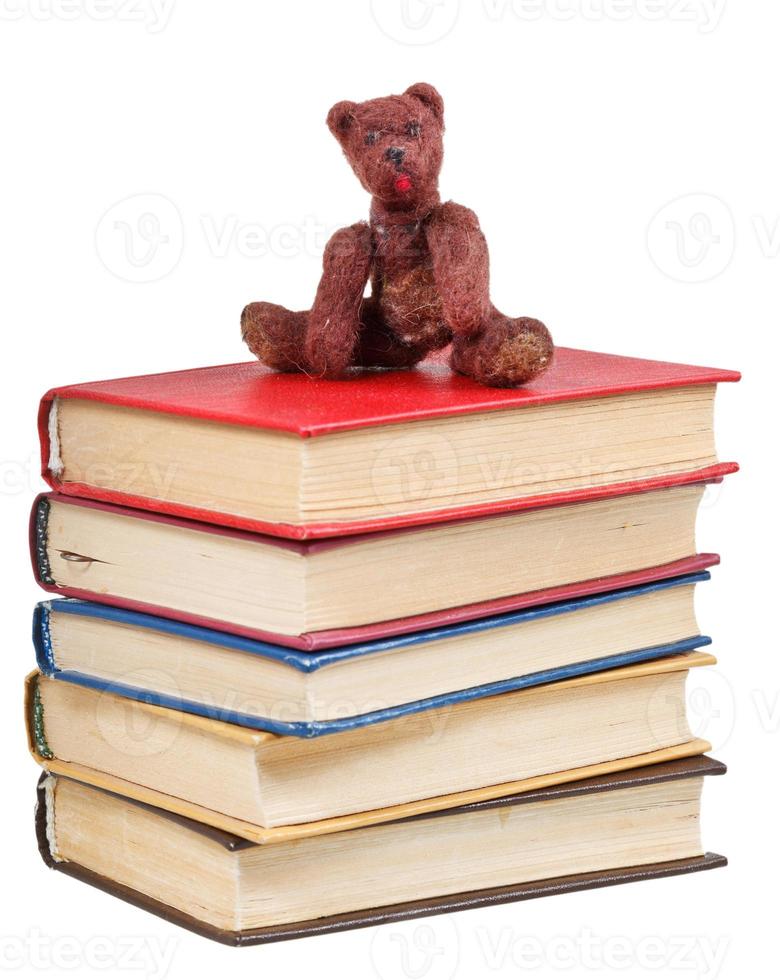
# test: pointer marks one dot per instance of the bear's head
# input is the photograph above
(394, 144)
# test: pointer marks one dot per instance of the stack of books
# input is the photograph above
(328, 654)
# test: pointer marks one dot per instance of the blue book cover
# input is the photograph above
(46, 655)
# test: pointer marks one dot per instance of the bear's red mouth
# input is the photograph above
(403, 183)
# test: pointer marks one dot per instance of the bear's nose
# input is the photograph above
(395, 154)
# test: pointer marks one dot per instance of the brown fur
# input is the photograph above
(427, 263)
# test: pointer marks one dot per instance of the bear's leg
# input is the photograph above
(334, 322)
(505, 353)
(320, 341)
(275, 335)
(379, 346)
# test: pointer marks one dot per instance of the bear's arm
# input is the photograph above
(334, 322)
(460, 267)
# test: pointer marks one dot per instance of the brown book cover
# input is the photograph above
(662, 772)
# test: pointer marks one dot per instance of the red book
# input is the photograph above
(296, 457)
(80, 579)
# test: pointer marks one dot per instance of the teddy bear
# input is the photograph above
(427, 262)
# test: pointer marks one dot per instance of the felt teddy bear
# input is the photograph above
(427, 263)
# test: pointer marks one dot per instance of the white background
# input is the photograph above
(165, 163)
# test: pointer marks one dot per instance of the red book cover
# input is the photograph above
(327, 639)
(248, 394)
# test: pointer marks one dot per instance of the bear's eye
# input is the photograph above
(370, 138)
(413, 128)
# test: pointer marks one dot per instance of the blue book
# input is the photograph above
(288, 692)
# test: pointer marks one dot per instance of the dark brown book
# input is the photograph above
(637, 825)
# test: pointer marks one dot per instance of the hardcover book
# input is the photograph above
(604, 830)
(270, 687)
(313, 595)
(305, 458)
(270, 781)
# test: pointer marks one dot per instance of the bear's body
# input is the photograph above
(427, 263)
(403, 285)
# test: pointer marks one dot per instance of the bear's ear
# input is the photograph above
(428, 95)
(340, 118)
